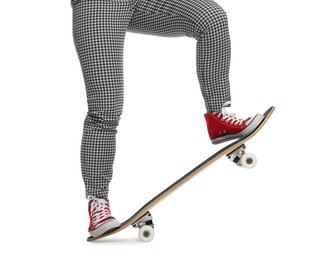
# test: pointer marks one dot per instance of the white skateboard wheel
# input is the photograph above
(146, 233)
(248, 160)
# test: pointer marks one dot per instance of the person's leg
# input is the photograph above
(99, 28)
(207, 22)
(203, 20)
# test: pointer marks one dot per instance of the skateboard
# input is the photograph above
(235, 151)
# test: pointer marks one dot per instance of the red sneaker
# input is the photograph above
(101, 219)
(223, 126)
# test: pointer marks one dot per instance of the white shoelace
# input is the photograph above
(228, 117)
(99, 209)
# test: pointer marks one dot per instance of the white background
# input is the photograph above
(278, 210)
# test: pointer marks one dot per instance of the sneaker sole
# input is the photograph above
(111, 224)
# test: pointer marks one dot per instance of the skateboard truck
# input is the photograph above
(241, 158)
(146, 227)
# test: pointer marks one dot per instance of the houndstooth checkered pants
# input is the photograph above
(99, 28)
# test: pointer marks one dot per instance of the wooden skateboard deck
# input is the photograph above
(142, 218)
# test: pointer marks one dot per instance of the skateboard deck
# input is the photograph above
(235, 151)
